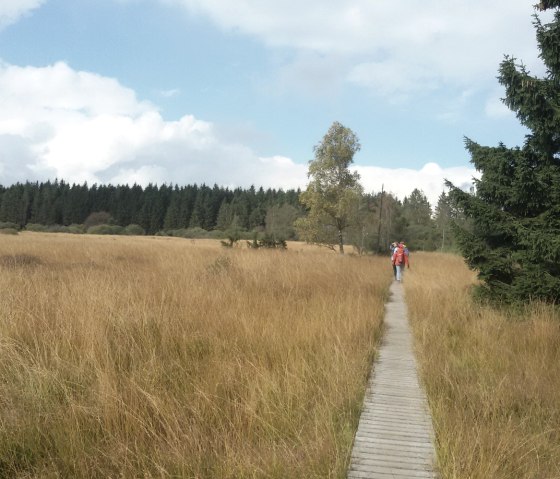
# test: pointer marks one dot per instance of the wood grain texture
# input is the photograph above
(395, 435)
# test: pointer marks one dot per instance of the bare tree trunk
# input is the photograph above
(340, 242)
(380, 216)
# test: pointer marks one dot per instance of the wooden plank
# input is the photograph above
(395, 435)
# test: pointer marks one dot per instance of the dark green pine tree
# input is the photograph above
(225, 216)
(197, 215)
(75, 205)
(421, 231)
(153, 209)
(46, 214)
(11, 210)
(513, 240)
(172, 219)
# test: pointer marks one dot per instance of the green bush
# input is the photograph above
(8, 231)
(98, 218)
(266, 241)
(9, 225)
(105, 230)
(133, 230)
(75, 229)
(215, 234)
(200, 233)
(36, 227)
(56, 229)
(187, 233)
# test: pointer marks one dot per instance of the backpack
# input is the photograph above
(399, 256)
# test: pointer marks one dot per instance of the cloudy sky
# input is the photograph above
(237, 92)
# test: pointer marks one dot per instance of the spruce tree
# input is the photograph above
(421, 231)
(172, 218)
(513, 239)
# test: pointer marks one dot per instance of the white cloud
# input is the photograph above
(394, 48)
(394, 77)
(402, 181)
(311, 73)
(78, 126)
(12, 10)
(294, 175)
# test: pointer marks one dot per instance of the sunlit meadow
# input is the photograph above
(160, 357)
(492, 376)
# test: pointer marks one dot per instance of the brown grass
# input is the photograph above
(493, 378)
(158, 357)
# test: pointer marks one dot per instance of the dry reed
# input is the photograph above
(157, 357)
(492, 377)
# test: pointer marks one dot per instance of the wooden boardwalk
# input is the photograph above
(395, 436)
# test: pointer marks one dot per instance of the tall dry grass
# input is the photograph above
(492, 377)
(154, 357)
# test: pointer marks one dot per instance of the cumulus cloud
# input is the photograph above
(415, 46)
(57, 122)
(12, 10)
(313, 74)
(402, 181)
(80, 126)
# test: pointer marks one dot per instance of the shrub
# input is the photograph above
(35, 227)
(9, 225)
(266, 241)
(98, 218)
(105, 230)
(56, 229)
(8, 231)
(133, 230)
(75, 229)
(187, 233)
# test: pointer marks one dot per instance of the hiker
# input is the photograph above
(406, 252)
(393, 247)
(400, 260)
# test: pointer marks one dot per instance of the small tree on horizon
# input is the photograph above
(513, 239)
(333, 191)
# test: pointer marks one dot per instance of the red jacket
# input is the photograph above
(399, 256)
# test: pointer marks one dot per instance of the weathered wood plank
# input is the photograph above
(395, 436)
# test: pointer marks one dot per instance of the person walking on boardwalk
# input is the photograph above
(400, 259)
(393, 247)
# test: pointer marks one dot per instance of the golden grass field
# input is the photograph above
(493, 378)
(164, 357)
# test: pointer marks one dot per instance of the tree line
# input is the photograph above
(154, 208)
(380, 217)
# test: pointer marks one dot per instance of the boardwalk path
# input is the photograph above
(395, 437)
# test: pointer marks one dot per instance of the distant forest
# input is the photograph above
(195, 210)
(154, 208)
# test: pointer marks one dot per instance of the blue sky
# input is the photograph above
(238, 92)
